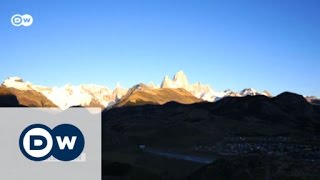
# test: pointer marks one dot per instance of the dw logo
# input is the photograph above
(38, 142)
(21, 20)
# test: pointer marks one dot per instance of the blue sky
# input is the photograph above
(265, 44)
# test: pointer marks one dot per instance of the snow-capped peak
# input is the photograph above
(248, 91)
(199, 90)
(203, 91)
(167, 82)
(17, 83)
(253, 92)
(84, 95)
(180, 80)
(70, 95)
(152, 85)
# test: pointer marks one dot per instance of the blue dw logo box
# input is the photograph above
(38, 142)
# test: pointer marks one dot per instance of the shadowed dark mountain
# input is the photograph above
(181, 126)
(174, 123)
(9, 100)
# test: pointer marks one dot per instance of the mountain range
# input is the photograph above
(190, 120)
(177, 89)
